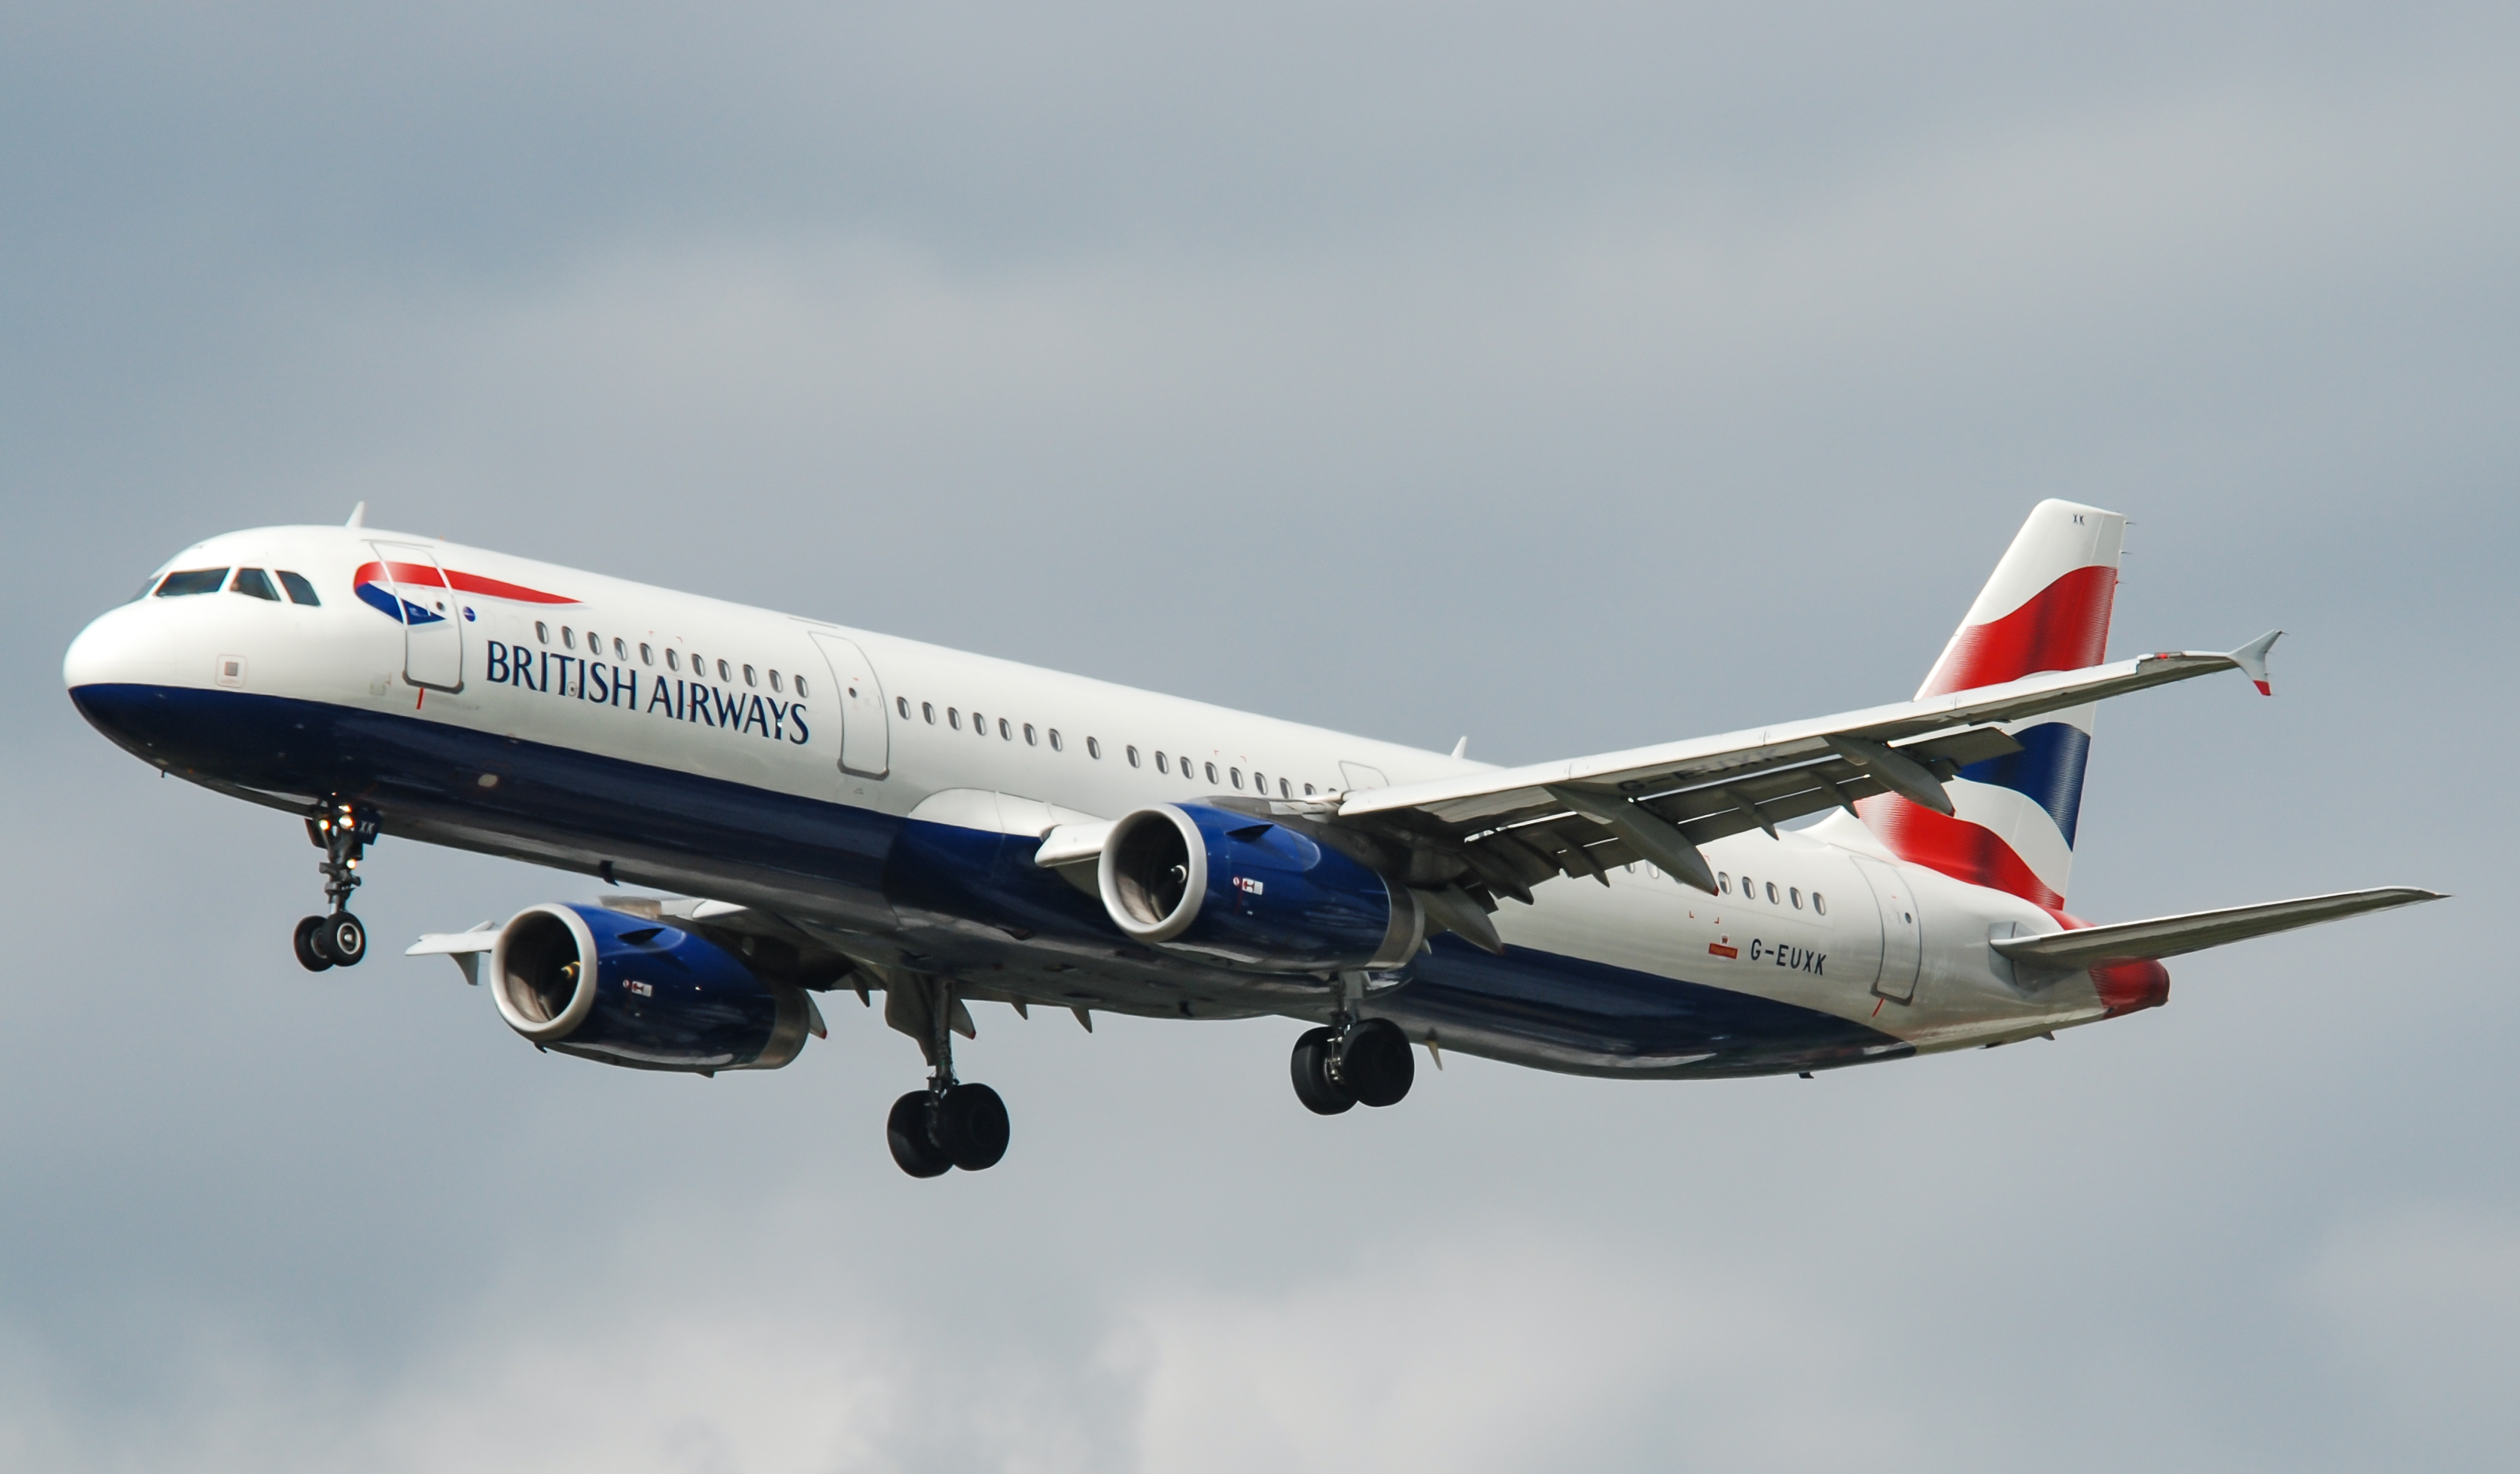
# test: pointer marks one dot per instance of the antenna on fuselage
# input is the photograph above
(358, 516)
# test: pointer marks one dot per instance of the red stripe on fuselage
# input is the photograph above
(427, 574)
(2064, 626)
(1958, 848)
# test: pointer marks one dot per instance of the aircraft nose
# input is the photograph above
(123, 646)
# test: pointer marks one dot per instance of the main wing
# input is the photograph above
(1504, 832)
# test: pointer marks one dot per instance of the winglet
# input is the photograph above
(466, 947)
(2251, 658)
(358, 516)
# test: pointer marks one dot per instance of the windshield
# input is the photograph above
(192, 581)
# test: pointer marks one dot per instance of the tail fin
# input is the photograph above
(2045, 609)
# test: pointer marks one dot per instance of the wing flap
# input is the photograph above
(2170, 936)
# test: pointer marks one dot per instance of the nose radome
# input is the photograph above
(122, 646)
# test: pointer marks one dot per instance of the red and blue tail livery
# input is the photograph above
(778, 807)
(2046, 609)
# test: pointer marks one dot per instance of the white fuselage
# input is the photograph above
(532, 744)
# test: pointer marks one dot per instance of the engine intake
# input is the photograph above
(621, 989)
(1252, 892)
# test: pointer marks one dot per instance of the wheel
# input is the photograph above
(1315, 1086)
(971, 1126)
(1376, 1064)
(310, 955)
(344, 940)
(912, 1131)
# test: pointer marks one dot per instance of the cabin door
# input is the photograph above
(1902, 932)
(432, 626)
(865, 730)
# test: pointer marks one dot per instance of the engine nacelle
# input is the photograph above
(622, 990)
(1252, 893)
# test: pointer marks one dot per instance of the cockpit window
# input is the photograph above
(299, 590)
(256, 582)
(192, 581)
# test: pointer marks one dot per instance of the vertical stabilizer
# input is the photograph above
(2045, 609)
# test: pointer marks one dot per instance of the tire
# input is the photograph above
(1315, 1086)
(1376, 1063)
(344, 939)
(971, 1126)
(912, 1131)
(308, 941)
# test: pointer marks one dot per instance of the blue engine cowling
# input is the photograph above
(627, 991)
(1252, 892)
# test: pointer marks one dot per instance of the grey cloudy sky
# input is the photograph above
(1571, 376)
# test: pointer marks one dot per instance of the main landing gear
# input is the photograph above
(949, 1124)
(342, 831)
(1354, 1062)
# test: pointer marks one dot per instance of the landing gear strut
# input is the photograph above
(949, 1124)
(1354, 1062)
(342, 831)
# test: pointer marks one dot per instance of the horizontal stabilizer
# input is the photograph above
(2170, 936)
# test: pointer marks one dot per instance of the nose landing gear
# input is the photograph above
(342, 831)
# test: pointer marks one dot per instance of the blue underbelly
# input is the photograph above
(854, 866)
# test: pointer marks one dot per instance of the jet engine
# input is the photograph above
(622, 990)
(1252, 892)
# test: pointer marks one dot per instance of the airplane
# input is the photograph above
(825, 808)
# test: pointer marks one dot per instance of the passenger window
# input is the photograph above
(1259, 782)
(802, 693)
(542, 632)
(723, 673)
(1211, 773)
(1308, 790)
(1160, 764)
(1820, 903)
(1796, 892)
(620, 651)
(1056, 746)
(778, 684)
(927, 709)
(748, 677)
(1032, 739)
(256, 582)
(1006, 729)
(1772, 893)
(593, 642)
(954, 717)
(299, 590)
(672, 661)
(1094, 748)
(1285, 789)
(1237, 774)
(900, 704)
(1723, 882)
(196, 581)
(568, 637)
(1133, 756)
(646, 653)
